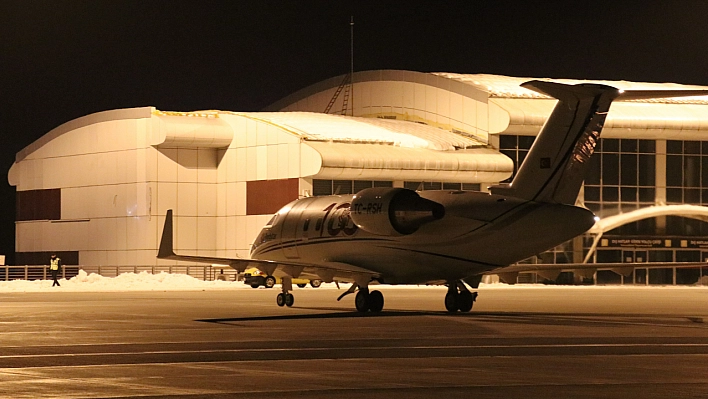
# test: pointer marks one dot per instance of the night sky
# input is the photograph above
(61, 60)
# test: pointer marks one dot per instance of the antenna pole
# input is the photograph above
(351, 69)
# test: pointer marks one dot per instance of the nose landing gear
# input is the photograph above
(284, 299)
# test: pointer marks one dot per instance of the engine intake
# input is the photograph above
(393, 211)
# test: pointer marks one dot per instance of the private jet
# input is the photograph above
(453, 238)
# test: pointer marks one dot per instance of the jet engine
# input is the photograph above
(393, 211)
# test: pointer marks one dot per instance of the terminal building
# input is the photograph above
(96, 189)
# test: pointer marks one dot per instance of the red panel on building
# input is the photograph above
(38, 205)
(264, 197)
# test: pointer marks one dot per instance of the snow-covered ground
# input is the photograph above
(125, 282)
(144, 281)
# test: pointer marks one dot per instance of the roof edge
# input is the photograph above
(426, 78)
(90, 119)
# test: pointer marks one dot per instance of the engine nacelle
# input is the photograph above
(393, 211)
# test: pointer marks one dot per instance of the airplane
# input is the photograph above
(400, 236)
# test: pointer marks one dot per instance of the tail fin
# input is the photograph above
(557, 163)
(166, 250)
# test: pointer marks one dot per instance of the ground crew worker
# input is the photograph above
(55, 267)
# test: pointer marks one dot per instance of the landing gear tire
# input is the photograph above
(315, 283)
(281, 299)
(458, 297)
(289, 300)
(451, 302)
(362, 301)
(369, 301)
(270, 282)
(255, 285)
(302, 285)
(465, 300)
(376, 301)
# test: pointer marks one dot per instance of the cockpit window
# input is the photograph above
(272, 220)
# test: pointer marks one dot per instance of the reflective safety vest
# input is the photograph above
(54, 264)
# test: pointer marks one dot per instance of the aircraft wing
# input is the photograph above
(326, 272)
(551, 270)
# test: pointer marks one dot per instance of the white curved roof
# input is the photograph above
(382, 149)
(311, 126)
(510, 87)
(97, 117)
(683, 118)
(516, 110)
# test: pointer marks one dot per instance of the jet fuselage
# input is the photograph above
(478, 232)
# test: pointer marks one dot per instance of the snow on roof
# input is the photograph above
(510, 87)
(336, 128)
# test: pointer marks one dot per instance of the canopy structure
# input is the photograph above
(612, 222)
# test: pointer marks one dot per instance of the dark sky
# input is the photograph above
(60, 60)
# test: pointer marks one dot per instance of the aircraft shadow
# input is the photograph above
(334, 313)
(530, 318)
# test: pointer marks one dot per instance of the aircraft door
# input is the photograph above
(291, 232)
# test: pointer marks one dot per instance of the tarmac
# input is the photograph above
(531, 342)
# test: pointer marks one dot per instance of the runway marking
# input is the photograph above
(488, 318)
(320, 349)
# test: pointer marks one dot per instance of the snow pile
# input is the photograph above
(145, 281)
(142, 281)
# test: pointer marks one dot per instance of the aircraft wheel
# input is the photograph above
(270, 282)
(302, 285)
(280, 299)
(255, 285)
(315, 283)
(376, 301)
(451, 302)
(362, 301)
(465, 301)
(289, 300)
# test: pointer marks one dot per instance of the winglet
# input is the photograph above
(166, 250)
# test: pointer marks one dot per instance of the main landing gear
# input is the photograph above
(458, 297)
(365, 300)
(285, 298)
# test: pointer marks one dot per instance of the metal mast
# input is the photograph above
(348, 82)
(351, 69)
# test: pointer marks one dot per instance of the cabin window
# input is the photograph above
(318, 225)
(272, 220)
(306, 225)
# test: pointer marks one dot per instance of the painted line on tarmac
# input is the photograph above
(374, 348)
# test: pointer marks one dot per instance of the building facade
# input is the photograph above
(96, 189)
